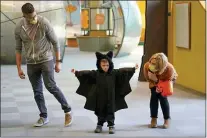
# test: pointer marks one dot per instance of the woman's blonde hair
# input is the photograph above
(161, 61)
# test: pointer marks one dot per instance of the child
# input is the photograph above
(105, 89)
(158, 68)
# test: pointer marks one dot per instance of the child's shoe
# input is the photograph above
(111, 130)
(98, 129)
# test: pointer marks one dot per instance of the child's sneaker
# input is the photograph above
(41, 121)
(98, 129)
(111, 130)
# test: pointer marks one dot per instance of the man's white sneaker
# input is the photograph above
(41, 121)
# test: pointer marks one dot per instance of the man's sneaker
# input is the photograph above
(98, 129)
(41, 121)
(68, 119)
(111, 130)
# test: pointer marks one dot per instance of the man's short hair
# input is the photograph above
(27, 8)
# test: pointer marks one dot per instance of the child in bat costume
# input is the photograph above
(105, 89)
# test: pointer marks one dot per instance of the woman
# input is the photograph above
(158, 68)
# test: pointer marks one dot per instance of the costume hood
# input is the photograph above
(108, 57)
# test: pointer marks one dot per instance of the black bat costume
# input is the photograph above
(105, 91)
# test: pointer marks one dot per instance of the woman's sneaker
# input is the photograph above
(41, 121)
(98, 129)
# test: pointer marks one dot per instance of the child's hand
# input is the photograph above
(73, 71)
(136, 66)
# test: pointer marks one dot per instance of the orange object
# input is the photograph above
(165, 88)
(120, 11)
(84, 19)
(70, 8)
(99, 18)
(72, 42)
(97, 33)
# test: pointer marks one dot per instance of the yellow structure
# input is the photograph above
(189, 63)
(142, 7)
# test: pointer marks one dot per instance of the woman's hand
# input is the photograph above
(158, 90)
(152, 76)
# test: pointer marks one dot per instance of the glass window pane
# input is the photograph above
(99, 19)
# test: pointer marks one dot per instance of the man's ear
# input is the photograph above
(110, 54)
(99, 55)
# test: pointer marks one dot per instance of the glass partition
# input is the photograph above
(11, 14)
(99, 19)
(125, 20)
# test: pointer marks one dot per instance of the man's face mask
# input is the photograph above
(152, 68)
(34, 21)
(31, 18)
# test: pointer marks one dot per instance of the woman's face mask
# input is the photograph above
(152, 68)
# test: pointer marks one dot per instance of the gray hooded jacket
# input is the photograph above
(41, 48)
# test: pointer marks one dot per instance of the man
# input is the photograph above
(37, 36)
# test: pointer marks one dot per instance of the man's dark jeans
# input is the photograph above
(46, 71)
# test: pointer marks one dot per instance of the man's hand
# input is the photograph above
(21, 74)
(57, 67)
(152, 76)
(73, 71)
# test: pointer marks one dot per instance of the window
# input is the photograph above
(101, 19)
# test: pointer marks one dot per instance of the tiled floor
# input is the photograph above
(19, 111)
